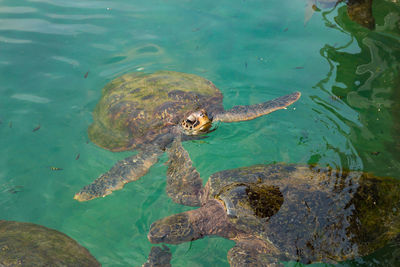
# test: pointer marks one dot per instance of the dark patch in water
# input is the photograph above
(148, 49)
(115, 59)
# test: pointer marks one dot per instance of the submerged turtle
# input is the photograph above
(281, 212)
(359, 11)
(147, 112)
(28, 244)
(158, 257)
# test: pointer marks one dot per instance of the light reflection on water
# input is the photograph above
(252, 50)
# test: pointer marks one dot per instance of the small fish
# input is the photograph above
(15, 189)
(375, 153)
(55, 169)
(87, 141)
(86, 74)
(196, 29)
(245, 65)
(10, 124)
(286, 29)
(77, 156)
(36, 129)
(299, 68)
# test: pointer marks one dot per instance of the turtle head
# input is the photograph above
(196, 123)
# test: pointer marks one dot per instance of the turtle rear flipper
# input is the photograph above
(252, 253)
(245, 113)
(183, 181)
(159, 257)
(210, 219)
(124, 171)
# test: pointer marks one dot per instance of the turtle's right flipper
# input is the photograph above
(245, 113)
(159, 257)
(124, 171)
(183, 180)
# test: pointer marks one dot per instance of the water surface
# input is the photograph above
(347, 118)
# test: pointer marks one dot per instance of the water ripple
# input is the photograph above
(67, 60)
(78, 17)
(31, 98)
(77, 4)
(43, 26)
(17, 10)
(14, 41)
(89, 4)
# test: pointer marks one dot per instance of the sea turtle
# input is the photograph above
(148, 111)
(28, 244)
(359, 11)
(281, 212)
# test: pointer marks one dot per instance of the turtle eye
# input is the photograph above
(191, 119)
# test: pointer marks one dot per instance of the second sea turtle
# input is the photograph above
(32, 245)
(282, 212)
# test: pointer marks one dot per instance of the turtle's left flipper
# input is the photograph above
(183, 180)
(159, 257)
(124, 171)
(245, 113)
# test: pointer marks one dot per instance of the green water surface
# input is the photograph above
(55, 56)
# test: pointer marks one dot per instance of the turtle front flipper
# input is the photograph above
(252, 253)
(159, 257)
(183, 181)
(124, 171)
(245, 113)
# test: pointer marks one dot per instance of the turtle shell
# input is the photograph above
(311, 213)
(137, 108)
(28, 244)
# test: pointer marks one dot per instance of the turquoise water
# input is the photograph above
(348, 116)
